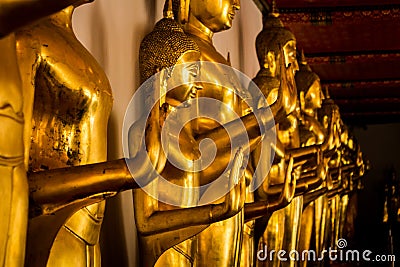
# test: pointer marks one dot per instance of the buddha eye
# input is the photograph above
(194, 70)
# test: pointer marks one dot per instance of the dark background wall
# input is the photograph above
(381, 145)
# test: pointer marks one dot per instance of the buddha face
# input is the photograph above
(184, 74)
(291, 66)
(215, 15)
(289, 51)
(313, 98)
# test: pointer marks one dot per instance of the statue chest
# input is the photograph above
(61, 124)
(72, 101)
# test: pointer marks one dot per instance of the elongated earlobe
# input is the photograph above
(270, 61)
(266, 63)
(302, 101)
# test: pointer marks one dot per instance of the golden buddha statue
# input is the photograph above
(199, 21)
(69, 100)
(311, 133)
(13, 116)
(288, 134)
(13, 182)
(329, 117)
(204, 18)
(166, 230)
(276, 50)
(325, 204)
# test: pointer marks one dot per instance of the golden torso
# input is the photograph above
(279, 230)
(71, 100)
(224, 236)
(13, 182)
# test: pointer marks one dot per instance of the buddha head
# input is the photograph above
(215, 15)
(276, 51)
(168, 49)
(272, 42)
(309, 88)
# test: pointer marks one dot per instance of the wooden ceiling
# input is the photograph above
(354, 46)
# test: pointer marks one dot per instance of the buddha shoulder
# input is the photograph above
(63, 57)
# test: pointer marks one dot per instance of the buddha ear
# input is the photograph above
(270, 61)
(160, 84)
(302, 100)
(265, 61)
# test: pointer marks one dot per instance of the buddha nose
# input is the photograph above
(236, 4)
(296, 66)
(198, 86)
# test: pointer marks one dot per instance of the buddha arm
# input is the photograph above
(261, 208)
(169, 220)
(165, 221)
(313, 195)
(314, 126)
(56, 189)
(309, 179)
(222, 139)
(248, 139)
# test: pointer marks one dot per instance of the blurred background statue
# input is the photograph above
(276, 50)
(311, 133)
